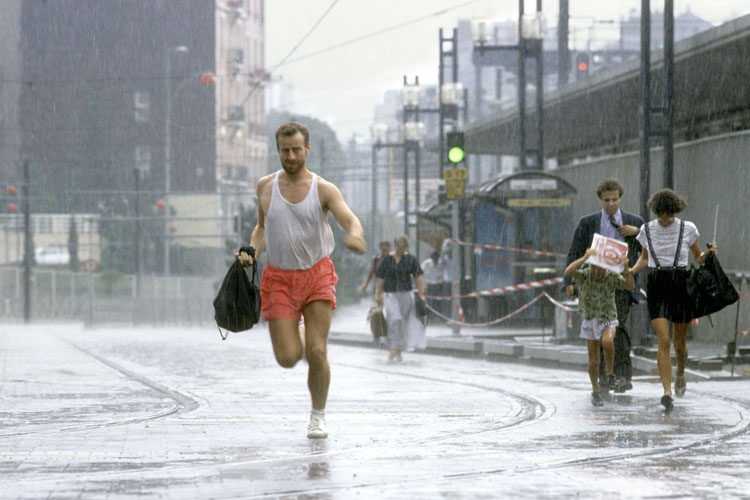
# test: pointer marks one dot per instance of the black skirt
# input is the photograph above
(667, 294)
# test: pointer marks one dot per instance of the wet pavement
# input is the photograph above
(178, 413)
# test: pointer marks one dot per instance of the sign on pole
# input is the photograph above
(90, 265)
(455, 183)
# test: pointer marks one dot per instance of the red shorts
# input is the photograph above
(284, 293)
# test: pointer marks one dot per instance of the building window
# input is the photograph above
(226, 171)
(143, 159)
(142, 104)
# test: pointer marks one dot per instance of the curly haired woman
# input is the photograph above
(666, 242)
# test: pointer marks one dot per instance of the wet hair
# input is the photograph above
(292, 128)
(386, 243)
(435, 255)
(666, 201)
(401, 240)
(609, 184)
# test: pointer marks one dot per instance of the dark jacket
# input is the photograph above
(584, 235)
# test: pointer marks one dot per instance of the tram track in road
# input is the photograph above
(528, 409)
(741, 427)
(525, 410)
(183, 403)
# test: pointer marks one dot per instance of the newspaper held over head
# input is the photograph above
(609, 253)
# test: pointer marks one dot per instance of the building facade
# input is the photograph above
(119, 106)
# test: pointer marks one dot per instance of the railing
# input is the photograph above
(97, 298)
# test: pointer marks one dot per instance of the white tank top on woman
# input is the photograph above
(297, 234)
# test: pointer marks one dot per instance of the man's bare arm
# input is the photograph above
(258, 236)
(333, 200)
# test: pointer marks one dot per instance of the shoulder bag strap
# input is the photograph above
(679, 244)
(650, 246)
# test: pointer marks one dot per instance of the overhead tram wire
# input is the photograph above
(294, 49)
(349, 42)
(381, 32)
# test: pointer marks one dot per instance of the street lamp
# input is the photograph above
(379, 133)
(168, 146)
(412, 133)
(451, 94)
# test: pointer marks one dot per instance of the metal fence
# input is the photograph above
(97, 298)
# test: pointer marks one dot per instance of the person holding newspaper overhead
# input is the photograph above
(597, 306)
(666, 242)
(617, 224)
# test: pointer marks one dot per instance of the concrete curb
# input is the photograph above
(558, 356)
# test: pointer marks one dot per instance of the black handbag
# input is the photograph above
(237, 305)
(420, 306)
(709, 288)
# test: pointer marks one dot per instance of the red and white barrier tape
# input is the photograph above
(509, 249)
(743, 294)
(558, 304)
(746, 332)
(496, 291)
(489, 323)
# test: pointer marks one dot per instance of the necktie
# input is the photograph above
(612, 221)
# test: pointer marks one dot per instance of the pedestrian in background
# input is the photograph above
(615, 223)
(433, 279)
(385, 248)
(666, 242)
(597, 287)
(299, 279)
(396, 276)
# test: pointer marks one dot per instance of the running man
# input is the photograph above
(299, 279)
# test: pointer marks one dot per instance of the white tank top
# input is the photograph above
(297, 235)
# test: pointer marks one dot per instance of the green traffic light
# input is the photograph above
(456, 154)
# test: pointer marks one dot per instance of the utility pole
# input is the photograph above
(668, 107)
(539, 52)
(563, 54)
(522, 166)
(138, 255)
(28, 247)
(665, 108)
(644, 109)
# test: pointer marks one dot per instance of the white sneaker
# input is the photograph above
(316, 429)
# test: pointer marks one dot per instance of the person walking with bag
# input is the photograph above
(299, 279)
(395, 294)
(667, 241)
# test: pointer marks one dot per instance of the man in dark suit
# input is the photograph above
(614, 223)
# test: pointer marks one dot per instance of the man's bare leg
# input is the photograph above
(317, 323)
(287, 347)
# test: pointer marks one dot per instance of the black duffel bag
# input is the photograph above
(708, 288)
(237, 305)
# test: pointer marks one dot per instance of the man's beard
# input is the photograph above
(293, 169)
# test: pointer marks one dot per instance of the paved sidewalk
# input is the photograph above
(533, 346)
